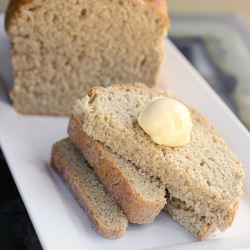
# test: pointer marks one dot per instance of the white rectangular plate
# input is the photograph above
(59, 221)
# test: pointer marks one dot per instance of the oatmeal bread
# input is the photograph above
(107, 218)
(211, 176)
(59, 49)
(141, 197)
(71, 165)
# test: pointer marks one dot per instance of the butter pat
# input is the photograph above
(167, 121)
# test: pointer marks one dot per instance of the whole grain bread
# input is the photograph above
(141, 198)
(71, 165)
(59, 49)
(107, 217)
(211, 176)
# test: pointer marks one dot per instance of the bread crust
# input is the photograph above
(104, 230)
(161, 6)
(13, 10)
(210, 228)
(16, 6)
(137, 209)
(123, 86)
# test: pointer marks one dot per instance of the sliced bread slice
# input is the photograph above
(211, 176)
(59, 49)
(141, 197)
(107, 217)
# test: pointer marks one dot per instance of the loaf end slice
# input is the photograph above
(141, 198)
(106, 216)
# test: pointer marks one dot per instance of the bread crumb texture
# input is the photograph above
(193, 223)
(59, 49)
(208, 173)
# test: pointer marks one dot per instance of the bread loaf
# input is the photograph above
(59, 49)
(204, 174)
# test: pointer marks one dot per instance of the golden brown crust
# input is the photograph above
(13, 10)
(210, 228)
(93, 91)
(104, 230)
(161, 6)
(136, 208)
(16, 6)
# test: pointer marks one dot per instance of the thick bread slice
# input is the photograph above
(106, 216)
(140, 197)
(59, 49)
(211, 176)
